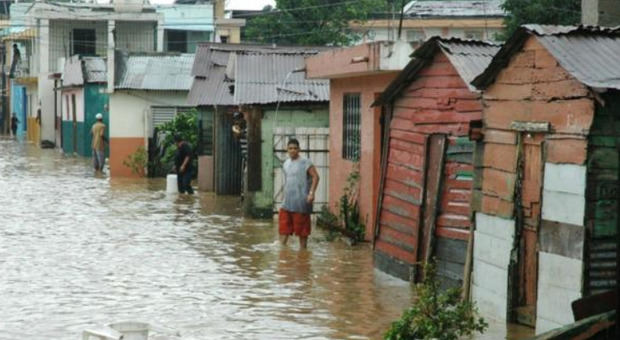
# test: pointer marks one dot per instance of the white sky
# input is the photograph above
(232, 4)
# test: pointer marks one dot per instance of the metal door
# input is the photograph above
(314, 145)
(530, 199)
(227, 157)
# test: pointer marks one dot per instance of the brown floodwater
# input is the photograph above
(78, 251)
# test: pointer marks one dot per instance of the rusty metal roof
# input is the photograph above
(158, 72)
(588, 53)
(475, 8)
(469, 58)
(254, 74)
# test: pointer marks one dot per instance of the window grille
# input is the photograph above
(351, 127)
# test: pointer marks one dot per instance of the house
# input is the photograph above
(268, 85)
(357, 76)
(546, 212)
(427, 174)
(465, 19)
(83, 96)
(149, 89)
(186, 25)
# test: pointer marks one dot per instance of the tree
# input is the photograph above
(548, 12)
(311, 22)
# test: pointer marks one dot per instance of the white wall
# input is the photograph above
(79, 105)
(128, 109)
(493, 241)
(560, 278)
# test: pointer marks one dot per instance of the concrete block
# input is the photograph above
(567, 178)
(563, 207)
(559, 271)
(492, 250)
(491, 278)
(554, 304)
(490, 305)
(495, 226)
(544, 325)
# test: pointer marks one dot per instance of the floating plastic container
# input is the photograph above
(171, 184)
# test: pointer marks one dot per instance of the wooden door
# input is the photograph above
(435, 150)
(530, 212)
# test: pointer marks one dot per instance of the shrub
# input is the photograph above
(137, 161)
(436, 315)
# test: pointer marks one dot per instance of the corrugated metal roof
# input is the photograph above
(590, 54)
(262, 74)
(469, 58)
(476, 8)
(161, 72)
(95, 70)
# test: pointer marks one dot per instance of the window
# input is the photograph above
(474, 34)
(351, 126)
(177, 41)
(84, 41)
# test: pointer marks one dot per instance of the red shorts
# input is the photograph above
(292, 222)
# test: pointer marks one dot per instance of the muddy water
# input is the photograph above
(78, 251)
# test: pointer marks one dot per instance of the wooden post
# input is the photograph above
(384, 158)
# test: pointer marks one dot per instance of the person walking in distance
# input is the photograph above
(14, 122)
(98, 143)
(301, 181)
(183, 164)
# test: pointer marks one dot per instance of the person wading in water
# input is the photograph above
(301, 181)
(98, 143)
(183, 164)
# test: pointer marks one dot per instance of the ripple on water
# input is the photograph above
(79, 251)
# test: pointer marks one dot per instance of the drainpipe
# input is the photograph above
(5, 114)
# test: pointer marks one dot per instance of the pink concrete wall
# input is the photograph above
(370, 159)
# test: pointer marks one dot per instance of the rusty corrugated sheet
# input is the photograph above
(253, 74)
(469, 58)
(161, 72)
(480, 8)
(588, 53)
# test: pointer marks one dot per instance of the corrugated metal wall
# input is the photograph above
(227, 157)
(602, 203)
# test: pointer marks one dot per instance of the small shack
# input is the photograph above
(547, 213)
(426, 182)
(268, 86)
(150, 89)
(83, 95)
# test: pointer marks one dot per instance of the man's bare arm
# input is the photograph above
(315, 183)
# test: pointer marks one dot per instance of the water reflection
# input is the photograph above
(79, 250)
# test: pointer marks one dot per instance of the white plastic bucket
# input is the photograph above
(171, 184)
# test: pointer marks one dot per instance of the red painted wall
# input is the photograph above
(438, 101)
(370, 158)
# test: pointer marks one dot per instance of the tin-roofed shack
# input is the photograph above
(547, 211)
(268, 86)
(83, 95)
(150, 89)
(425, 189)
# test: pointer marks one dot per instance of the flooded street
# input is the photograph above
(79, 251)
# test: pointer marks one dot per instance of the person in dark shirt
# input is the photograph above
(14, 122)
(183, 164)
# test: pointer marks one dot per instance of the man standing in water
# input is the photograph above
(14, 123)
(98, 143)
(301, 181)
(183, 164)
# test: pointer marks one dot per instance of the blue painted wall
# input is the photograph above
(19, 106)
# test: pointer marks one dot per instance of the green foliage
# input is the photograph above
(137, 161)
(184, 124)
(349, 207)
(328, 220)
(310, 22)
(436, 315)
(549, 12)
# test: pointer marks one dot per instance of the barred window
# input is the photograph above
(351, 126)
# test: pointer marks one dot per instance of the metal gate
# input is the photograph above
(314, 145)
